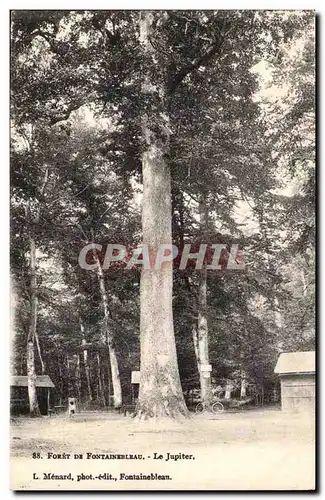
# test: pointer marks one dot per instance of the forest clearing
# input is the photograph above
(247, 450)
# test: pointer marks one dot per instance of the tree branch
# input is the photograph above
(66, 114)
(174, 82)
(49, 39)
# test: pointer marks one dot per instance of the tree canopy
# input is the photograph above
(92, 92)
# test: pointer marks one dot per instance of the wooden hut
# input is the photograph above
(19, 393)
(297, 375)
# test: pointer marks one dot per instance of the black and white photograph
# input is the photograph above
(162, 250)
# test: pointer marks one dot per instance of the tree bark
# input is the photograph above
(277, 313)
(160, 393)
(228, 390)
(202, 335)
(108, 340)
(39, 352)
(109, 384)
(86, 364)
(243, 385)
(31, 372)
(303, 282)
(34, 410)
(196, 346)
(60, 379)
(203, 342)
(243, 374)
(68, 375)
(78, 378)
(32, 333)
(101, 395)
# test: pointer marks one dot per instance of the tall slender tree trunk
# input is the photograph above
(60, 379)
(243, 374)
(34, 410)
(109, 384)
(78, 378)
(101, 395)
(39, 352)
(196, 346)
(108, 339)
(243, 385)
(303, 282)
(277, 313)
(16, 360)
(160, 393)
(228, 390)
(203, 341)
(32, 332)
(31, 371)
(86, 364)
(202, 334)
(68, 375)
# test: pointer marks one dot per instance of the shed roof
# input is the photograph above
(22, 381)
(296, 362)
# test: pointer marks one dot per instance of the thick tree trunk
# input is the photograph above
(108, 340)
(160, 393)
(31, 372)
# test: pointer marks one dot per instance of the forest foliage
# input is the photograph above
(237, 137)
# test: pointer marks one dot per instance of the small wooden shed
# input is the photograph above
(19, 393)
(297, 375)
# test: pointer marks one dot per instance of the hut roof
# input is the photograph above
(296, 362)
(22, 381)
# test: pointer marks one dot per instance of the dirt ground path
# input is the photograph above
(249, 450)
